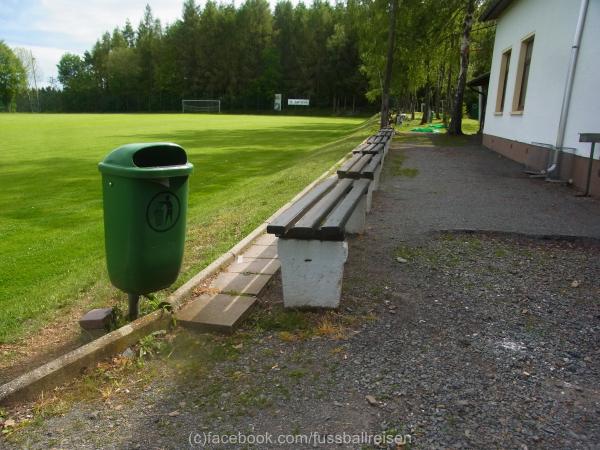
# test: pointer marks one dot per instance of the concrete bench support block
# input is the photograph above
(377, 177)
(312, 272)
(357, 221)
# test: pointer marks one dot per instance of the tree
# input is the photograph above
(455, 127)
(123, 74)
(34, 74)
(13, 77)
(79, 87)
(149, 35)
(385, 97)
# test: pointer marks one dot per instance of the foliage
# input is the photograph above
(426, 58)
(242, 56)
(333, 54)
(13, 77)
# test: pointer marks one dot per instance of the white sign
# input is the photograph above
(277, 104)
(299, 101)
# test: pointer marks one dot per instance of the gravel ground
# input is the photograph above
(458, 339)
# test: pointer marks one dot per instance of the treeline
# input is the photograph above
(335, 55)
(242, 56)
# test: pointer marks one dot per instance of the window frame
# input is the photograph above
(503, 80)
(523, 72)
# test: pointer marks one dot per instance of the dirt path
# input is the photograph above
(477, 340)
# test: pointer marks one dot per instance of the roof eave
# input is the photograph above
(495, 10)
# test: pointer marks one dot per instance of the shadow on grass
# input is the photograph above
(61, 192)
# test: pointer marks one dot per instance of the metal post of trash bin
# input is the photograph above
(593, 138)
(134, 306)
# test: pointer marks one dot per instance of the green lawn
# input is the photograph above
(51, 234)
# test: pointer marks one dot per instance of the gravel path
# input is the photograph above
(478, 340)
(474, 188)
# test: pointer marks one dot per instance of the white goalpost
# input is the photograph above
(207, 106)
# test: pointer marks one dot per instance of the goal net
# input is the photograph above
(193, 106)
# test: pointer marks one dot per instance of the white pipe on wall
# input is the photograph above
(566, 102)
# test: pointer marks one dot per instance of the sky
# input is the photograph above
(50, 28)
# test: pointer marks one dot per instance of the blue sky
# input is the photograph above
(50, 28)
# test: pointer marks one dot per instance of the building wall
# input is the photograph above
(553, 22)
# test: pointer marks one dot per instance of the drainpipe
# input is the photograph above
(564, 111)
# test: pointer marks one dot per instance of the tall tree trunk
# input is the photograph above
(427, 109)
(438, 92)
(385, 95)
(448, 105)
(427, 102)
(455, 127)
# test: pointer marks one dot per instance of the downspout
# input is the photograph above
(566, 102)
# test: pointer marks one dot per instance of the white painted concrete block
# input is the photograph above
(370, 195)
(357, 221)
(377, 177)
(312, 272)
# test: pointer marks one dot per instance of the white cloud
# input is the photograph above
(85, 22)
(51, 28)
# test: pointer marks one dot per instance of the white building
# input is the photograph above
(539, 56)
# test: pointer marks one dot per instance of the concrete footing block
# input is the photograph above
(312, 272)
(377, 177)
(358, 220)
(97, 319)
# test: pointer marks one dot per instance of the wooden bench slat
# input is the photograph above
(377, 139)
(286, 219)
(349, 164)
(369, 171)
(361, 148)
(356, 169)
(368, 148)
(334, 224)
(306, 227)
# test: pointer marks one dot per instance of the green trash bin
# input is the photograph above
(145, 191)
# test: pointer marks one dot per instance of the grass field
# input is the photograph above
(51, 234)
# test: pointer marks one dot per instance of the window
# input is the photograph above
(523, 75)
(504, 68)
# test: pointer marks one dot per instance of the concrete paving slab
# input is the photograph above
(219, 312)
(261, 251)
(255, 265)
(266, 239)
(240, 283)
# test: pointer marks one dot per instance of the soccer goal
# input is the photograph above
(193, 106)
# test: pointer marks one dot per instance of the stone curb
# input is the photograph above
(50, 375)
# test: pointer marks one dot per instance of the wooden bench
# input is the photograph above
(383, 136)
(312, 244)
(364, 165)
(369, 148)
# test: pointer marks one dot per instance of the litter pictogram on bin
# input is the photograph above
(163, 211)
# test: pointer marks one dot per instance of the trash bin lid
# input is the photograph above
(147, 160)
